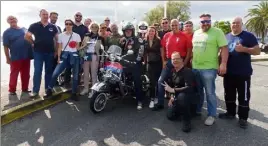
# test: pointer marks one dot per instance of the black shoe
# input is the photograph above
(226, 116)
(74, 97)
(48, 93)
(243, 123)
(186, 126)
(158, 107)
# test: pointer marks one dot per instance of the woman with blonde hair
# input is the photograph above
(153, 61)
(92, 42)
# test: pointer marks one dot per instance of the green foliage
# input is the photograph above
(175, 9)
(258, 19)
(225, 26)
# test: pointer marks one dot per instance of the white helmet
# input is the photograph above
(143, 27)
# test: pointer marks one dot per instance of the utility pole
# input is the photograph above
(165, 9)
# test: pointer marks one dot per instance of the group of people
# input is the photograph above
(181, 63)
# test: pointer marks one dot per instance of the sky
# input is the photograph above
(27, 12)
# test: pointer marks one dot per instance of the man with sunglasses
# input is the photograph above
(175, 41)
(80, 29)
(18, 55)
(44, 33)
(165, 28)
(207, 43)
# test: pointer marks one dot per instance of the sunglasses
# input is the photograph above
(164, 22)
(103, 27)
(205, 21)
(70, 24)
(78, 15)
(107, 20)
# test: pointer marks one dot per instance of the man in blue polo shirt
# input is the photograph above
(44, 34)
(18, 55)
(242, 45)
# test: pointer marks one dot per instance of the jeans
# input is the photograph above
(165, 74)
(136, 72)
(206, 80)
(68, 60)
(39, 59)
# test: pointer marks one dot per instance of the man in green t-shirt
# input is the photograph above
(207, 43)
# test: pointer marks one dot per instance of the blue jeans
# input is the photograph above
(206, 80)
(39, 59)
(68, 60)
(165, 74)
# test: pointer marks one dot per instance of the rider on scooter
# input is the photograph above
(130, 42)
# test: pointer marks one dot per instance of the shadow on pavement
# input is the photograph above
(71, 123)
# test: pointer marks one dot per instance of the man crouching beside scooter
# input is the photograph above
(185, 95)
(130, 42)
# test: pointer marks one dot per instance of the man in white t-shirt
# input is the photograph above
(68, 43)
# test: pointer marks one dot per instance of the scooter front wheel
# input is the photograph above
(97, 102)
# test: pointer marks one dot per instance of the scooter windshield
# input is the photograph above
(115, 50)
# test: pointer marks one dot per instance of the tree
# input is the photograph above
(175, 9)
(258, 21)
(225, 26)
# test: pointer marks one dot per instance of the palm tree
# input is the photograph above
(258, 22)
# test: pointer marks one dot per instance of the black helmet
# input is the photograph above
(128, 26)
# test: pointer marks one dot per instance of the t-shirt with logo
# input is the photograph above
(176, 42)
(71, 46)
(19, 48)
(206, 48)
(44, 37)
(240, 63)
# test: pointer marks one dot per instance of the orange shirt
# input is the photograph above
(176, 42)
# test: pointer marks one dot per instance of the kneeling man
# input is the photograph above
(184, 91)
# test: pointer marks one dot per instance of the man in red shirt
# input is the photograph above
(175, 41)
(189, 32)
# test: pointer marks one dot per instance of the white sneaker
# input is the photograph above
(84, 92)
(210, 121)
(155, 100)
(139, 107)
(151, 105)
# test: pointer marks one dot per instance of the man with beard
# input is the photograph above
(130, 42)
(207, 43)
(80, 29)
(53, 19)
(114, 38)
(241, 45)
(165, 28)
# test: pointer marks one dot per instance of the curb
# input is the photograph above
(259, 58)
(17, 112)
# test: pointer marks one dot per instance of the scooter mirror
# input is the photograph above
(130, 52)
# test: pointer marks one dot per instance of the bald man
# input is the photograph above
(241, 45)
(18, 55)
(174, 41)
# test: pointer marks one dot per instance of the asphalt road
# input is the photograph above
(72, 124)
